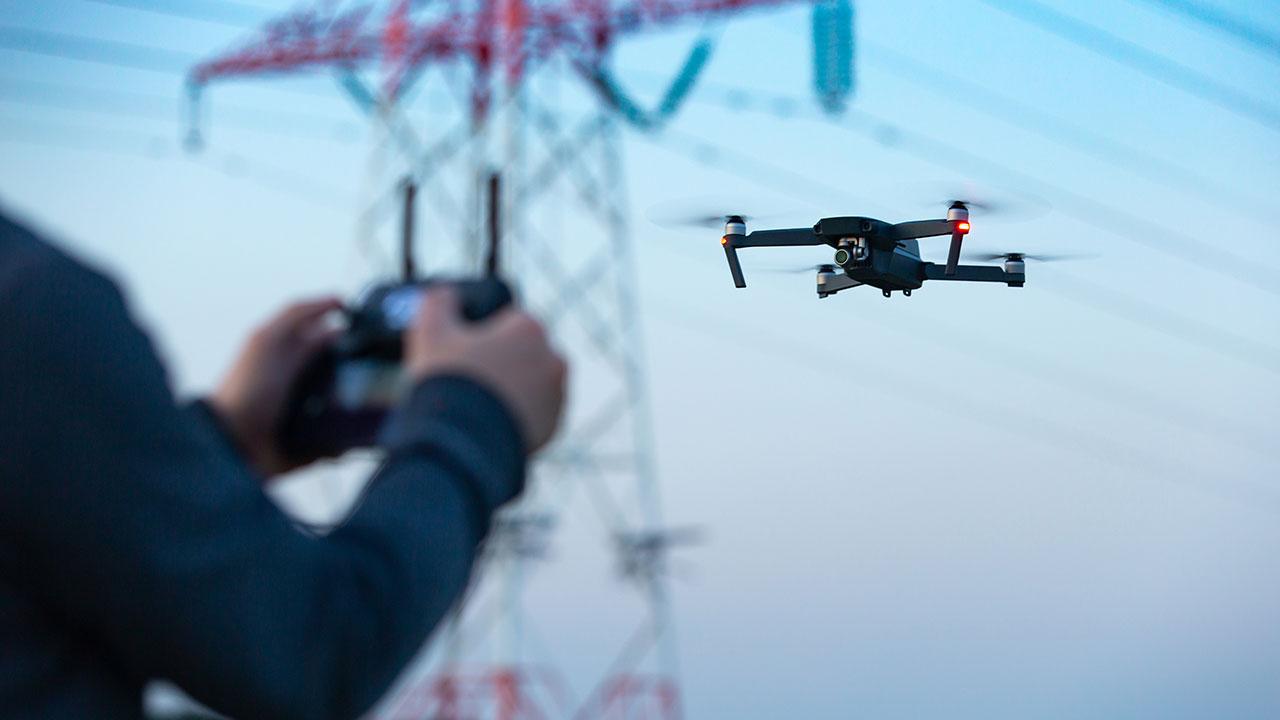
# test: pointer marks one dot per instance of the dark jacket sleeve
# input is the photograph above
(139, 526)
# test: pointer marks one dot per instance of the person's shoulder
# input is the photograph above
(32, 267)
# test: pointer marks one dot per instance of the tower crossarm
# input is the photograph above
(511, 29)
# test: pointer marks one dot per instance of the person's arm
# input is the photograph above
(204, 414)
(138, 526)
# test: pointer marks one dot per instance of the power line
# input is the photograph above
(153, 106)
(1068, 438)
(1066, 376)
(1223, 342)
(795, 177)
(1222, 22)
(1012, 418)
(1009, 418)
(1201, 335)
(221, 12)
(112, 53)
(800, 185)
(101, 140)
(1153, 65)
(157, 147)
(97, 50)
(1106, 389)
(780, 106)
(1103, 216)
(1239, 347)
(1100, 215)
(152, 58)
(1051, 126)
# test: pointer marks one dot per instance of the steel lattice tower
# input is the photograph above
(512, 72)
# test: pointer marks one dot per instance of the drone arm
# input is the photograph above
(921, 228)
(973, 273)
(731, 254)
(956, 228)
(953, 253)
(834, 282)
(795, 237)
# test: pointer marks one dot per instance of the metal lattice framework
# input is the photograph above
(501, 65)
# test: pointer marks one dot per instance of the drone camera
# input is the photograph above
(843, 256)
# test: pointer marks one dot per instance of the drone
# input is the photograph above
(876, 253)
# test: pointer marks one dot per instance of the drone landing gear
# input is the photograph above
(906, 293)
(887, 293)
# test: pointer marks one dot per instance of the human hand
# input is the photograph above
(251, 398)
(508, 353)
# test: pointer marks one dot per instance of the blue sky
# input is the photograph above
(1059, 501)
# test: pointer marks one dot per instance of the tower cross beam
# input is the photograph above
(578, 28)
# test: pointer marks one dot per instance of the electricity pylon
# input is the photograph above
(519, 141)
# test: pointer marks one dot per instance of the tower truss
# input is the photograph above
(534, 130)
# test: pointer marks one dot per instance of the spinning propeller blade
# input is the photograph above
(986, 202)
(700, 220)
(1038, 257)
(820, 267)
(705, 212)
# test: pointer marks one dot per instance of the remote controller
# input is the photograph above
(342, 397)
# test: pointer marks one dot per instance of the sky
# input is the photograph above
(1059, 501)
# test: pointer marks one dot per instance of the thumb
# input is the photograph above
(439, 314)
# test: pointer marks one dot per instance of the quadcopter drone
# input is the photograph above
(876, 253)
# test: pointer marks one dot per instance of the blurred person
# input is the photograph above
(136, 542)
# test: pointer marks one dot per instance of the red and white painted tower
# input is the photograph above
(527, 91)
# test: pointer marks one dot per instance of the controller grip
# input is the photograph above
(482, 298)
(316, 425)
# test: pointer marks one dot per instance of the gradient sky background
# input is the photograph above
(1054, 502)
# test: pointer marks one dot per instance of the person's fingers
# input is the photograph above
(316, 336)
(560, 371)
(297, 317)
(516, 322)
(439, 314)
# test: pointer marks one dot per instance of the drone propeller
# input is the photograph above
(988, 257)
(820, 267)
(702, 213)
(984, 207)
(700, 220)
(986, 203)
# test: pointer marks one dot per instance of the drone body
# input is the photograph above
(876, 253)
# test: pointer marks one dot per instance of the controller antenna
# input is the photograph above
(407, 270)
(495, 228)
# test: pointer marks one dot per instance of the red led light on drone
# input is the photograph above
(962, 226)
